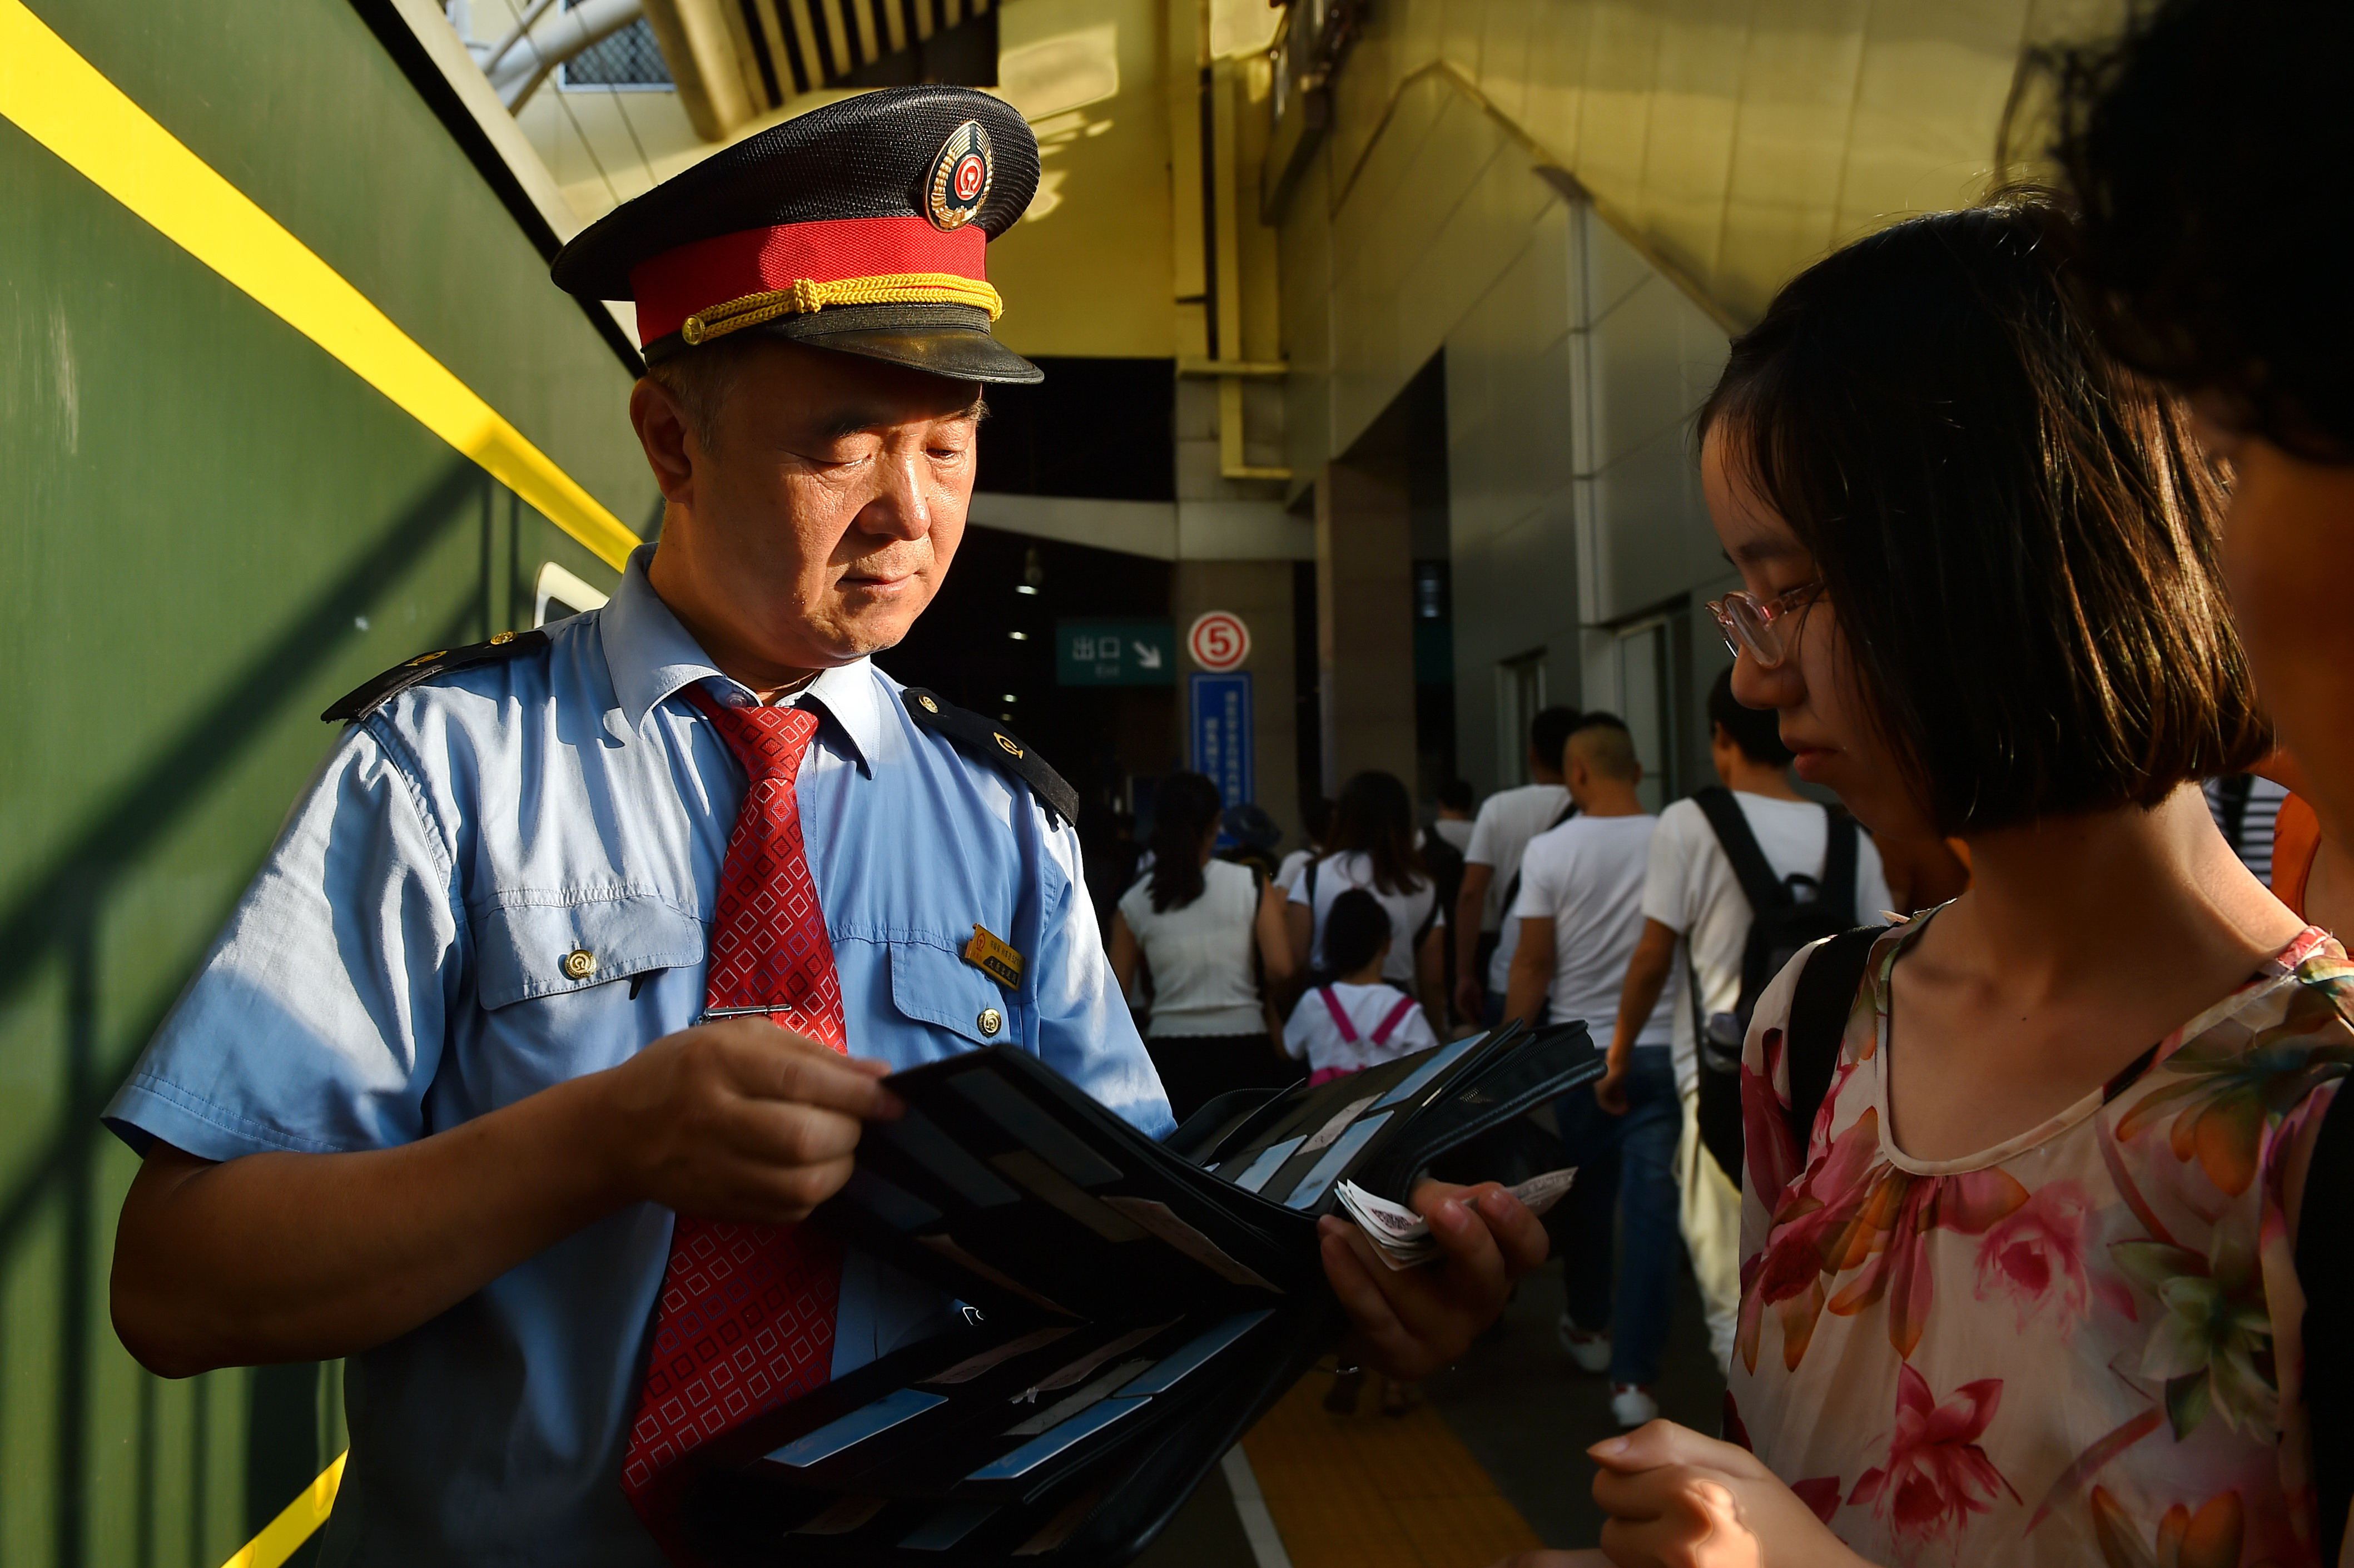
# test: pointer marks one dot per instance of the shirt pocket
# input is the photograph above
(934, 985)
(528, 946)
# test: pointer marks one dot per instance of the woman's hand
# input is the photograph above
(1678, 1499)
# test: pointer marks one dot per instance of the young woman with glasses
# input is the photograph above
(2025, 1295)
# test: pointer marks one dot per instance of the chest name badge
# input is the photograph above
(995, 957)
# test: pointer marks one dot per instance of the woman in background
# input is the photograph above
(1371, 845)
(1195, 924)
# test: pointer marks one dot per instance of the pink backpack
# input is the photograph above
(1381, 1036)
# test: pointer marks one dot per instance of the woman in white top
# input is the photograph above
(1372, 847)
(1193, 923)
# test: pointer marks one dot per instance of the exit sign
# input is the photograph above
(1115, 653)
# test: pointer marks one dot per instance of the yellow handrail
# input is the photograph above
(294, 1523)
(62, 102)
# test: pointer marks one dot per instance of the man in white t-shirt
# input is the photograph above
(1695, 914)
(1508, 820)
(1580, 914)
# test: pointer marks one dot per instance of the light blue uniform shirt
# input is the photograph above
(398, 968)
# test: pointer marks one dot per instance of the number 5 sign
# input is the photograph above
(1219, 641)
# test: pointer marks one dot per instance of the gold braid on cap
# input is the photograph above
(807, 296)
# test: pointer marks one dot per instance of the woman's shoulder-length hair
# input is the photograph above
(2018, 532)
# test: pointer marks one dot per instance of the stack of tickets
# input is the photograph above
(1403, 1237)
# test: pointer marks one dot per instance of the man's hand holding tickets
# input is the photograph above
(1410, 1323)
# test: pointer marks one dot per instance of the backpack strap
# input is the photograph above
(1818, 1014)
(1340, 1014)
(2324, 1268)
(1512, 888)
(1840, 852)
(1396, 1016)
(1763, 889)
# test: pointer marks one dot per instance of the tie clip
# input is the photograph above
(708, 1013)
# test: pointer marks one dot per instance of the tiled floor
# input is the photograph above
(1491, 1463)
(1526, 1413)
(1377, 1491)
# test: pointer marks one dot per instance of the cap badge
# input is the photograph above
(960, 176)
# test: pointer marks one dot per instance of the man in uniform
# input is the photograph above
(576, 930)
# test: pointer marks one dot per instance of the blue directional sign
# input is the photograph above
(1115, 653)
(1220, 726)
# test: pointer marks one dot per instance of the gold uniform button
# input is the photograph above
(503, 639)
(991, 1020)
(929, 707)
(579, 963)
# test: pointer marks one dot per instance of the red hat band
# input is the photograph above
(735, 280)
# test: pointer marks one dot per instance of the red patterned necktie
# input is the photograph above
(746, 1319)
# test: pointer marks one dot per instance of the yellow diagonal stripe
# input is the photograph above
(61, 101)
(294, 1524)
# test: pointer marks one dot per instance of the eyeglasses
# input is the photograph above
(1752, 625)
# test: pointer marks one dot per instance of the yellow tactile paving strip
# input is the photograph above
(1377, 1491)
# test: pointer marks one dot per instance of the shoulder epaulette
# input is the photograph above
(970, 732)
(425, 667)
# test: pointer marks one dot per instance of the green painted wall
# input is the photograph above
(209, 529)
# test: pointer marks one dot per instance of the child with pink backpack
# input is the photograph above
(1350, 1018)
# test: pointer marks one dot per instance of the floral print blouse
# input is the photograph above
(2080, 1346)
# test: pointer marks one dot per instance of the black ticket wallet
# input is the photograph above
(1127, 1307)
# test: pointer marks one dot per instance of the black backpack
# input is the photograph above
(1781, 923)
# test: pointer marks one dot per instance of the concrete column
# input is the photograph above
(1260, 593)
(1365, 614)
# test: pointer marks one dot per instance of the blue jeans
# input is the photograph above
(1625, 1162)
